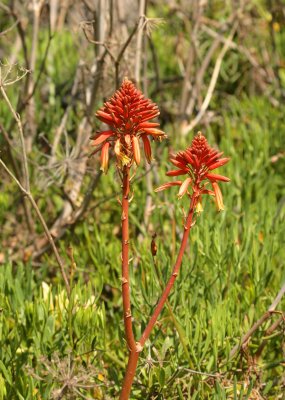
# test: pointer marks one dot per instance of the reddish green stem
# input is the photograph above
(129, 375)
(175, 271)
(134, 354)
(125, 262)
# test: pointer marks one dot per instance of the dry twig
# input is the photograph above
(258, 323)
(188, 127)
(25, 187)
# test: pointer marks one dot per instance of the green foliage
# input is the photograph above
(229, 277)
(38, 326)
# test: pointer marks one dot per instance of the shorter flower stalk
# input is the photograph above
(175, 271)
(195, 162)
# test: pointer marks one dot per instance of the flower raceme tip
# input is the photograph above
(197, 162)
(127, 113)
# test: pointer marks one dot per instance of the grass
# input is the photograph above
(230, 275)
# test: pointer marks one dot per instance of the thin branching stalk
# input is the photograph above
(15, 167)
(142, 5)
(257, 324)
(21, 134)
(267, 334)
(43, 223)
(212, 85)
(25, 187)
(134, 355)
(37, 7)
(197, 162)
(116, 59)
(177, 325)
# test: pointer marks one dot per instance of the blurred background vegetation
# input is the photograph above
(216, 66)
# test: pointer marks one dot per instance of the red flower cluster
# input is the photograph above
(197, 162)
(127, 113)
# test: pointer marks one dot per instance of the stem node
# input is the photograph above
(139, 347)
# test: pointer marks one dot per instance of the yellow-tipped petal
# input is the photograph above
(128, 139)
(218, 196)
(199, 206)
(168, 185)
(105, 157)
(117, 148)
(147, 148)
(125, 160)
(184, 187)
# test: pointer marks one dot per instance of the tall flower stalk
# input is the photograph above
(128, 114)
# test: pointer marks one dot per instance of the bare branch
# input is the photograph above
(20, 128)
(214, 78)
(3, 33)
(43, 223)
(25, 188)
(268, 332)
(258, 323)
(142, 5)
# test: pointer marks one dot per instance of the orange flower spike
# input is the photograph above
(127, 113)
(197, 161)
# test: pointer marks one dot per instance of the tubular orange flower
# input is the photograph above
(184, 187)
(218, 196)
(197, 161)
(127, 113)
(168, 185)
(136, 149)
(147, 148)
(105, 157)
